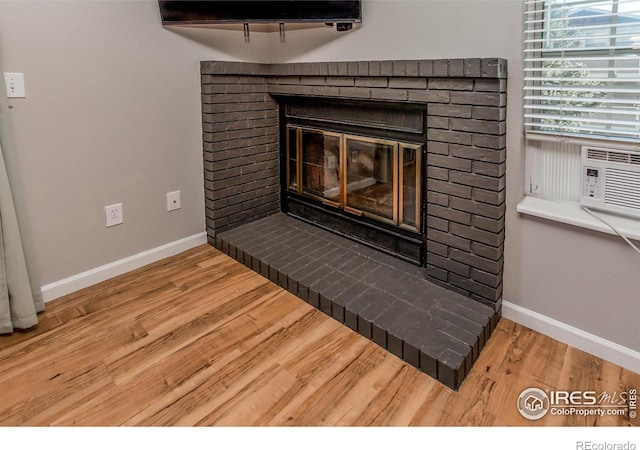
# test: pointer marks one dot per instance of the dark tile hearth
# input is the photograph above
(381, 297)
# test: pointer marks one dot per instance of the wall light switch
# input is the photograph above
(15, 84)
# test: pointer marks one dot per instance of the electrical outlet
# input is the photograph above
(114, 214)
(173, 200)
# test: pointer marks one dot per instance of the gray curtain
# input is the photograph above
(20, 296)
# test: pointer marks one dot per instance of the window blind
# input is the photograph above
(582, 68)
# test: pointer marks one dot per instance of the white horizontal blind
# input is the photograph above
(582, 68)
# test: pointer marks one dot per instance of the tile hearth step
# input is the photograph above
(380, 296)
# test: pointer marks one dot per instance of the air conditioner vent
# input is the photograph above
(599, 155)
(618, 157)
(622, 188)
(622, 157)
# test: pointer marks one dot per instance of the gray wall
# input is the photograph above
(112, 115)
(114, 96)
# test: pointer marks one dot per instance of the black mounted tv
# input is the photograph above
(200, 12)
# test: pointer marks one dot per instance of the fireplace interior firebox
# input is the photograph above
(356, 169)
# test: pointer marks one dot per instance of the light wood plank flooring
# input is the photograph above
(199, 339)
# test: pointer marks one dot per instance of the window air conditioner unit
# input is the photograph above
(611, 180)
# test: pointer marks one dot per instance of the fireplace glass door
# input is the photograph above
(364, 176)
(321, 165)
(410, 180)
(371, 177)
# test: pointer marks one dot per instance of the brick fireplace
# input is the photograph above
(306, 162)
(464, 101)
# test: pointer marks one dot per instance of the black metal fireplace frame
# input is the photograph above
(403, 125)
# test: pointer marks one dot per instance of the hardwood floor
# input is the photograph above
(199, 339)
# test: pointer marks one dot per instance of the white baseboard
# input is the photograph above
(82, 280)
(590, 343)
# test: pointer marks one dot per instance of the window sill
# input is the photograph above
(574, 215)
